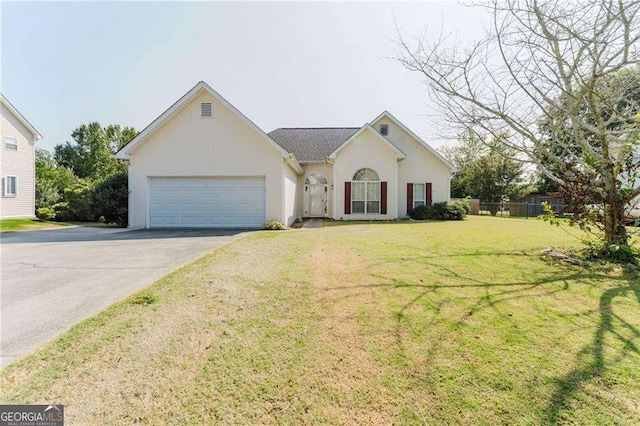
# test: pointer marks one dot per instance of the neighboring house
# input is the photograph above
(202, 163)
(17, 163)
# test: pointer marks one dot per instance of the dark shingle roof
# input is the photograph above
(312, 143)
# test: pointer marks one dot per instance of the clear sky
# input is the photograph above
(281, 64)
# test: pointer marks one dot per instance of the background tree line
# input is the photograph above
(486, 170)
(82, 180)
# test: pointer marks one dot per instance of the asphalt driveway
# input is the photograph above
(53, 279)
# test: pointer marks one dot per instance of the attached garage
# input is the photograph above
(207, 202)
(203, 164)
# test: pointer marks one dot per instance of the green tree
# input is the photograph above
(78, 203)
(111, 198)
(485, 170)
(51, 179)
(91, 154)
(468, 149)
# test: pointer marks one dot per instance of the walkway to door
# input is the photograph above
(313, 224)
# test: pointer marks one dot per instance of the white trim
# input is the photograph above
(147, 219)
(15, 186)
(416, 137)
(365, 201)
(36, 136)
(397, 193)
(306, 200)
(283, 197)
(399, 154)
(11, 143)
(202, 87)
(129, 197)
(291, 161)
(334, 184)
(424, 199)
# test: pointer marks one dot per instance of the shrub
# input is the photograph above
(455, 211)
(274, 225)
(440, 211)
(464, 204)
(111, 199)
(45, 213)
(422, 213)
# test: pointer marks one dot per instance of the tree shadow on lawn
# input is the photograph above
(568, 386)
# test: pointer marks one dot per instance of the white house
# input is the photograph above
(202, 163)
(17, 163)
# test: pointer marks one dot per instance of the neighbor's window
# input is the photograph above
(384, 129)
(419, 195)
(206, 110)
(11, 143)
(10, 186)
(365, 192)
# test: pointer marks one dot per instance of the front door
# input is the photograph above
(315, 189)
(317, 199)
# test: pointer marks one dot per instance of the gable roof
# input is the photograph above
(367, 127)
(425, 145)
(313, 144)
(20, 117)
(180, 104)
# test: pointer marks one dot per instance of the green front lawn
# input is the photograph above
(15, 225)
(405, 323)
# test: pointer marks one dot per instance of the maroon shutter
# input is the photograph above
(409, 197)
(427, 188)
(347, 198)
(383, 197)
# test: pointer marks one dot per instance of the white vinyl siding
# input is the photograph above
(18, 162)
(419, 195)
(10, 186)
(207, 202)
(11, 143)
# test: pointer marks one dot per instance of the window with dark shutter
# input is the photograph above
(384, 129)
(365, 192)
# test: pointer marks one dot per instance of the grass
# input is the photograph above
(405, 323)
(16, 225)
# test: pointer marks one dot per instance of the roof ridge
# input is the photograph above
(314, 128)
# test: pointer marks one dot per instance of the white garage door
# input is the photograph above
(207, 202)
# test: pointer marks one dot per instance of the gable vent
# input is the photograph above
(206, 110)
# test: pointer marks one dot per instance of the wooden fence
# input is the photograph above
(474, 203)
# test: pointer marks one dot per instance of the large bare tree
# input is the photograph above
(561, 79)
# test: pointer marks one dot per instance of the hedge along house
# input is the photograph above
(202, 163)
